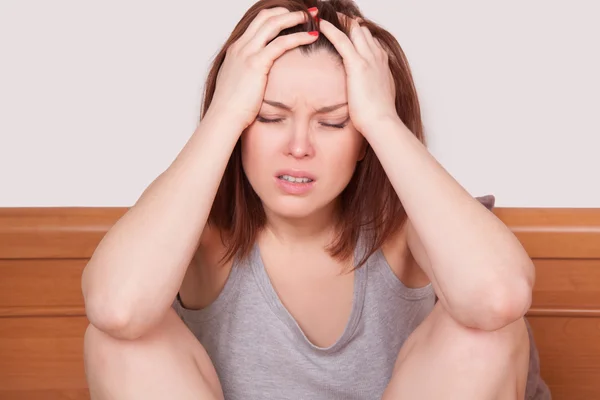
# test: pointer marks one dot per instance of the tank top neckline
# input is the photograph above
(266, 287)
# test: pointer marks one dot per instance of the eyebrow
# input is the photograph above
(321, 110)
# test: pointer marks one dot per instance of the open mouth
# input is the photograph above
(294, 179)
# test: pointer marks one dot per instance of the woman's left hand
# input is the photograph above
(370, 85)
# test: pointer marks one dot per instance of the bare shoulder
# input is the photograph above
(401, 260)
(205, 276)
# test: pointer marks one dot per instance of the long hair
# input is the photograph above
(369, 206)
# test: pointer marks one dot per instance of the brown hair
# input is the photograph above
(369, 203)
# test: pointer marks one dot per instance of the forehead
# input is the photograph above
(318, 77)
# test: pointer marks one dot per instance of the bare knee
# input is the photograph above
(166, 358)
(503, 347)
(102, 350)
(444, 359)
(499, 359)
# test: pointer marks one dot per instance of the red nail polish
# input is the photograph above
(313, 33)
(312, 9)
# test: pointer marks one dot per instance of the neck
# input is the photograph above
(316, 229)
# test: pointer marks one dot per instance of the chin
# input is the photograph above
(292, 207)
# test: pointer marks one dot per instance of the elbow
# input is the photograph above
(504, 304)
(114, 321)
(509, 304)
(110, 316)
(106, 312)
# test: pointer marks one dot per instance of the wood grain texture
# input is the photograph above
(42, 318)
(50, 394)
(555, 232)
(54, 232)
(569, 355)
(42, 355)
(57, 282)
(75, 232)
(567, 284)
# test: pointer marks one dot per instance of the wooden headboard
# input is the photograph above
(42, 319)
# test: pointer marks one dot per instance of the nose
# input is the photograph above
(300, 143)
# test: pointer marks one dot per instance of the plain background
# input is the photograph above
(97, 99)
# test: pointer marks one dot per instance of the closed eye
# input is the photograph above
(268, 121)
(337, 126)
(277, 120)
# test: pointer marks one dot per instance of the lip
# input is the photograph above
(294, 188)
(295, 173)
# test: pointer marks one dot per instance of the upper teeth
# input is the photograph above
(294, 179)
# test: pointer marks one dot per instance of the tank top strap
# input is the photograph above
(219, 305)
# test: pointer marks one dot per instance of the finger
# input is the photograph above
(259, 21)
(273, 26)
(369, 38)
(357, 35)
(280, 45)
(340, 41)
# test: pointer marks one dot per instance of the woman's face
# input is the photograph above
(302, 160)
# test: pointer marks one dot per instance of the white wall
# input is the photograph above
(96, 99)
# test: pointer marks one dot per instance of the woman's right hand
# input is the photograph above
(242, 78)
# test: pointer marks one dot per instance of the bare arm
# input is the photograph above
(478, 268)
(139, 265)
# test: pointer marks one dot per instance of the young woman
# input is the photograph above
(314, 248)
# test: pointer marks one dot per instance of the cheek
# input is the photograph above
(257, 150)
(345, 154)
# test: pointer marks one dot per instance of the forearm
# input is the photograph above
(139, 265)
(479, 269)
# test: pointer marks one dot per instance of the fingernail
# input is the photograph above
(313, 33)
(312, 9)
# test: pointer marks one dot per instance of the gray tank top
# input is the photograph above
(260, 352)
